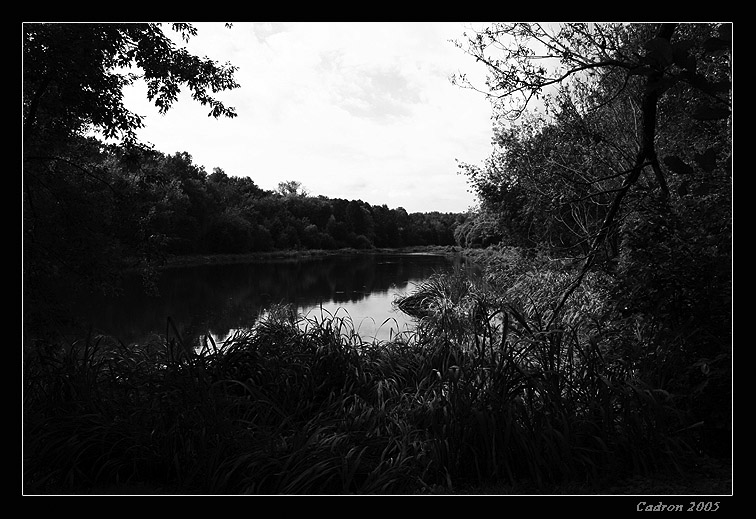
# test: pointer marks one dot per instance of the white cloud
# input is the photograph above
(352, 110)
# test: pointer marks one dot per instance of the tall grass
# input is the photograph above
(539, 398)
(483, 391)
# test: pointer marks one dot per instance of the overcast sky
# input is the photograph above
(354, 110)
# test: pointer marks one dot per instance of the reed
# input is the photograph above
(537, 398)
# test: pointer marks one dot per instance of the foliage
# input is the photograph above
(74, 75)
(167, 196)
(480, 231)
(560, 177)
(291, 188)
(627, 167)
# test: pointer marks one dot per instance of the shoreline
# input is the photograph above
(297, 254)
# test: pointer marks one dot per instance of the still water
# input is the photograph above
(217, 300)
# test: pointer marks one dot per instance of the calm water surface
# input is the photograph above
(220, 299)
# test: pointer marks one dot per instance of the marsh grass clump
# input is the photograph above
(490, 388)
(537, 396)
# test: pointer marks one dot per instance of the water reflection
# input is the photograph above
(219, 299)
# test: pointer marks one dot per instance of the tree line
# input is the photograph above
(153, 204)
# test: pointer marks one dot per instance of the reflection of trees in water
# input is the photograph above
(219, 298)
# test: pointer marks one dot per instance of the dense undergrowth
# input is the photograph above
(490, 389)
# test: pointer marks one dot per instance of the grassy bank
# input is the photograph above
(491, 394)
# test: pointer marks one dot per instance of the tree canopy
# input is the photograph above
(614, 100)
(74, 75)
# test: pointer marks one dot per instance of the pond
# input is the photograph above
(218, 300)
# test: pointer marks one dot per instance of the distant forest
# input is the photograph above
(145, 201)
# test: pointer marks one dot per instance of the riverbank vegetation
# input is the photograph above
(597, 345)
(482, 393)
(228, 259)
